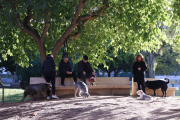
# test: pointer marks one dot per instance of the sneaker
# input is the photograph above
(48, 97)
(55, 97)
(63, 85)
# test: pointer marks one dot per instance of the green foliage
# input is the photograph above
(123, 61)
(131, 25)
(8, 64)
(34, 70)
(167, 63)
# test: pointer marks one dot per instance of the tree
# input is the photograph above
(167, 63)
(169, 33)
(30, 27)
(8, 64)
(123, 61)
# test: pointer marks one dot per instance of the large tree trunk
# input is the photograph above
(151, 58)
(42, 50)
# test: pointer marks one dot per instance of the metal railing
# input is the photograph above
(9, 94)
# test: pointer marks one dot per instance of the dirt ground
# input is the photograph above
(96, 107)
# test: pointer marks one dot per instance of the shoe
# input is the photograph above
(55, 97)
(48, 97)
(63, 85)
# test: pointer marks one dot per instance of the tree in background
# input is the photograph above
(169, 35)
(8, 64)
(33, 70)
(167, 63)
(123, 61)
(31, 27)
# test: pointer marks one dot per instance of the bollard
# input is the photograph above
(2, 94)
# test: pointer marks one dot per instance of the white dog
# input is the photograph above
(143, 96)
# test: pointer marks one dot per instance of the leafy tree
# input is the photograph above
(30, 27)
(33, 70)
(123, 61)
(167, 63)
(8, 64)
(169, 34)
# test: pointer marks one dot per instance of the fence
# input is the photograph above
(10, 94)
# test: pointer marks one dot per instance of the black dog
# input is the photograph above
(35, 89)
(163, 84)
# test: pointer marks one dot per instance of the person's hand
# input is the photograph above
(93, 73)
(56, 73)
(70, 72)
(67, 72)
(84, 73)
(139, 68)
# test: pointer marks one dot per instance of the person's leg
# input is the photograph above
(74, 76)
(143, 87)
(139, 87)
(46, 77)
(63, 75)
(53, 82)
(82, 76)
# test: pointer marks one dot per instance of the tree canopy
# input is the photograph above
(31, 27)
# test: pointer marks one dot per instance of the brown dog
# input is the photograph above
(92, 81)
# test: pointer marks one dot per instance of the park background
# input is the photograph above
(110, 32)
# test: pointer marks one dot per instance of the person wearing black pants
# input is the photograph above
(139, 68)
(49, 74)
(84, 69)
(66, 70)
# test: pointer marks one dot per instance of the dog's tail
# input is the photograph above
(21, 85)
(167, 80)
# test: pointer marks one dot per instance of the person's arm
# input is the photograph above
(134, 69)
(53, 64)
(91, 69)
(70, 68)
(80, 67)
(61, 68)
(144, 67)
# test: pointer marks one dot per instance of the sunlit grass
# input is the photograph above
(12, 95)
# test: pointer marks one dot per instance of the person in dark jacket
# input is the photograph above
(84, 69)
(49, 74)
(65, 70)
(139, 69)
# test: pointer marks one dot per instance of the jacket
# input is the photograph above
(82, 66)
(139, 75)
(48, 65)
(64, 67)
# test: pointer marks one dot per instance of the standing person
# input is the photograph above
(139, 69)
(65, 70)
(84, 69)
(49, 73)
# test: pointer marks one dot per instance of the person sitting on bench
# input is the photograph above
(66, 70)
(84, 69)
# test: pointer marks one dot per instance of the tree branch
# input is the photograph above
(46, 26)
(23, 27)
(60, 42)
(85, 18)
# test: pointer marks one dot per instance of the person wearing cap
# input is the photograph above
(49, 74)
(65, 70)
(84, 69)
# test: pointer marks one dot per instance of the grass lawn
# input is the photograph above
(12, 95)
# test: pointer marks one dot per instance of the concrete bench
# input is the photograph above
(104, 86)
(170, 91)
